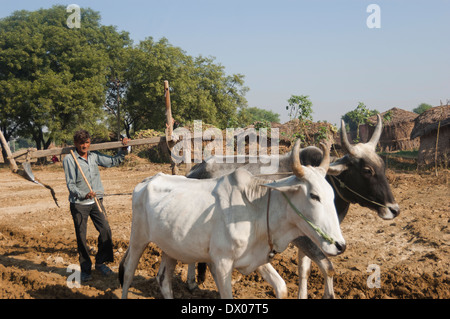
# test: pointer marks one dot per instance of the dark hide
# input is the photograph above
(121, 268)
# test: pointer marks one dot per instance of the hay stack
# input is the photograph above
(425, 128)
(287, 134)
(396, 131)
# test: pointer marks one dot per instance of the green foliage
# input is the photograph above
(251, 115)
(262, 124)
(422, 108)
(322, 133)
(299, 106)
(52, 78)
(387, 117)
(358, 116)
(199, 88)
(401, 160)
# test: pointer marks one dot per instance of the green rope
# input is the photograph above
(342, 185)
(310, 223)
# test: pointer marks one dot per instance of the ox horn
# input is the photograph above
(297, 167)
(377, 133)
(326, 157)
(344, 140)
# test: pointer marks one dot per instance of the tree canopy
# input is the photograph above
(300, 106)
(358, 116)
(422, 108)
(55, 79)
(250, 115)
(52, 78)
(200, 88)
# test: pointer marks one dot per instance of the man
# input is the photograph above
(82, 203)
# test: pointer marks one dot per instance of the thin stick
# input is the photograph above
(12, 162)
(85, 179)
(169, 130)
(436, 151)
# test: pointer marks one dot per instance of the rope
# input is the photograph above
(342, 185)
(118, 194)
(269, 237)
(338, 192)
(310, 223)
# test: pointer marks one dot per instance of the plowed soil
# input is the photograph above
(38, 246)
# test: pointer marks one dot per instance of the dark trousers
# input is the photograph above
(80, 215)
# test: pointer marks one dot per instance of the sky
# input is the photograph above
(323, 48)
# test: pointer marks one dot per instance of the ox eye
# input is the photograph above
(367, 170)
(315, 197)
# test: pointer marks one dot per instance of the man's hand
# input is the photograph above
(125, 141)
(90, 195)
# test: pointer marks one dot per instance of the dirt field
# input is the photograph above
(37, 243)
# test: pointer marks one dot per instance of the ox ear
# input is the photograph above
(284, 185)
(337, 167)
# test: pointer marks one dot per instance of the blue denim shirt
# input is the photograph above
(78, 188)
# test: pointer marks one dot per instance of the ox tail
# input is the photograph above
(201, 273)
(122, 268)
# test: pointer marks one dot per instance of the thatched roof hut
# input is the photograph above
(396, 130)
(426, 128)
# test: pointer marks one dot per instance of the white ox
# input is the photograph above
(225, 223)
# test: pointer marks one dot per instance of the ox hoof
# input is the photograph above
(192, 286)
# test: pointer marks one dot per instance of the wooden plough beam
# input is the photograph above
(33, 153)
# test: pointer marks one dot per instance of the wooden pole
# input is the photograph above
(118, 107)
(85, 179)
(437, 141)
(94, 147)
(169, 119)
(436, 150)
(10, 158)
(169, 128)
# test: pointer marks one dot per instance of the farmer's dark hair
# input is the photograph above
(81, 136)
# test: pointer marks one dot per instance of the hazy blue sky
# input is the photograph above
(323, 49)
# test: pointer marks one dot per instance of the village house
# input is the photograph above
(426, 128)
(397, 127)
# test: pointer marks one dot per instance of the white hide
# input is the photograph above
(223, 222)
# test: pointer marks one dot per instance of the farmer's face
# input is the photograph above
(83, 146)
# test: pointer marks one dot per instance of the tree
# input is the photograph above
(299, 106)
(52, 78)
(250, 115)
(422, 108)
(200, 88)
(357, 117)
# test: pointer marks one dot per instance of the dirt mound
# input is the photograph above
(38, 246)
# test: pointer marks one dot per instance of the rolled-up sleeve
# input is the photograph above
(110, 161)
